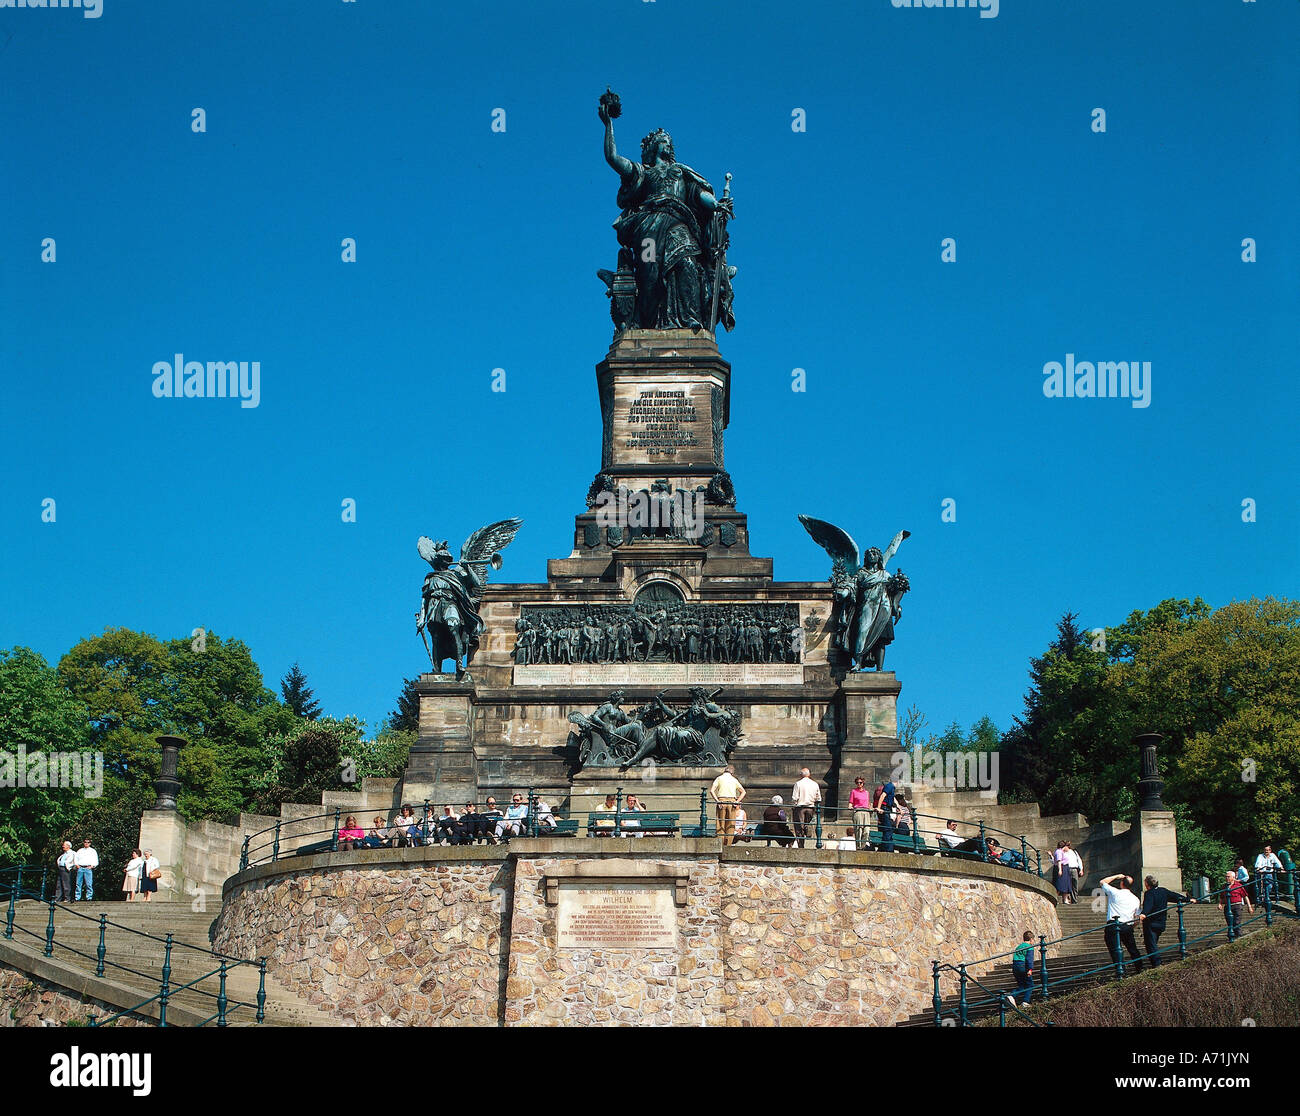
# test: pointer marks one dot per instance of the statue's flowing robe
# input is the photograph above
(446, 588)
(661, 204)
(875, 615)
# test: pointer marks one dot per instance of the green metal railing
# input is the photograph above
(1285, 883)
(920, 833)
(202, 984)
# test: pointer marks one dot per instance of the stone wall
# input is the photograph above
(448, 936)
(27, 1001)
(380, 937)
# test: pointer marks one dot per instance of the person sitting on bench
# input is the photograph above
(516, 816)
(950, 838)
(775, 826)
(633, 806)
(377, 838)
(604, 827)
(407, 826)
(448, 827)
(544, 814)
(351, 836)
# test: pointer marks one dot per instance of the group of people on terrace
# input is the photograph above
(471, 823)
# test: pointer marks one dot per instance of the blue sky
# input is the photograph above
(477, 250)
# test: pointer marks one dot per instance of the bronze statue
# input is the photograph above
(868, 600)
(700, 735)
(452, 591)
(672, 270)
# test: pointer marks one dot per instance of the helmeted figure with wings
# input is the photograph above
(868, 599)
(450, 598)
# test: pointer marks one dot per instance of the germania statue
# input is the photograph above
(868, 599)
(672, 266)
(449, 620)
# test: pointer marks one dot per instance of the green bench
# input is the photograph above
(910, 842)
(635, 822)
(563, 827)
(314, 848)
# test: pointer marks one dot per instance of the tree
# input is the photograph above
(406, 717)
(303, 763)
(37, 715)
(298, 696)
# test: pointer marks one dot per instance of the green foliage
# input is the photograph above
(406, 717)
(1199, 854)
(298, 696)
(384, 757)
(113, 825)
(37, 714)
(1220, 685)
(303, 763)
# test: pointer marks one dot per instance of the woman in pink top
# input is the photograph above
(860, 804)
(351, 835)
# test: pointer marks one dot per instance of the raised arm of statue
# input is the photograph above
(612, 157)
(892, 548)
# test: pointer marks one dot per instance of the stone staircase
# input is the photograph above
(144, 955)
(1083, 953)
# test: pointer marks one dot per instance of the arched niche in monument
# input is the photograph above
(658, 593)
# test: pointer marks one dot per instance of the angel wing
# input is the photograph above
(486, 541)
(838, 544)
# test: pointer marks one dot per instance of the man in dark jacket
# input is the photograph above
(1156, 901)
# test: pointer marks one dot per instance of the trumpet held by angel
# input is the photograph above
(867, 598)
(449, 620)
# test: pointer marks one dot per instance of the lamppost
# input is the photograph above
(1150, 785)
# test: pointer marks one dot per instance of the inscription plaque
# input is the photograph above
(616, 916)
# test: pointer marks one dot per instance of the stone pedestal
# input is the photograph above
(164, 832)
(1159, 849)
(869, 714)
(443, 767)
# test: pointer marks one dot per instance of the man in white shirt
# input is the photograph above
(1075, 863)
(727, 794)
(1265, 881)
(1122, 909)
(950, 836)
(87, 860)
(804, 797)
(66, 862)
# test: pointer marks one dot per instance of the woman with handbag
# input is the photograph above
(152, 874)
(134, 874)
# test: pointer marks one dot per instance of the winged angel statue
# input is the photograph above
(867, 598)
(450, 598)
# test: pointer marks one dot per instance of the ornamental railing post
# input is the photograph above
(1038, 860)
(275, 848)
(164, 988)
(530, 827)
(1266, 889)
(334, 837)
(938, 999)
(817, 815)
(961, 998)
(261, 989)
(1182, 933)
(704, 813)
(243, 856)
(984, 847)
(221, 996)
(1024, 852)
(20, 879)
(1042, 964)
(9, 918)
(45, 873)
(1113, 926)
(618, 812)
(49, 933)
(916, 833)
(102, 950)
(1002, 1011)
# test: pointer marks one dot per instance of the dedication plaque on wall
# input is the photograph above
(616, 915)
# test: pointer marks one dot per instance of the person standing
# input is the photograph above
(1122, 908)
(1155, 910)
(727, 794)
(860, 804)
(87, 861)
(133, 872)
(804, 798)
(1265, 881)
(1061, 875)
(1022, 968)
(885, 813)
(1075, 862)
(150, 874)
(65, 864)
(1234, 902)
